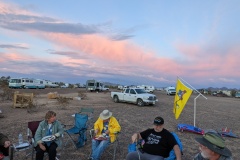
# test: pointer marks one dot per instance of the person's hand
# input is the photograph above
(96, 131)
(107, 131)
(42, 147)
(7, 144)
(53, 137)
(134, 137)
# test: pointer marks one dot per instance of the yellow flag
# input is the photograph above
(182, 95)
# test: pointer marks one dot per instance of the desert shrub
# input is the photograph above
(6, 94)
(82, 94)
(63, 102)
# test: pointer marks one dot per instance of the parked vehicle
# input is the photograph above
(26, 83)
(94, 85)
(50, 84)
(66, 85)
(237, 95)
(134, 95)
(147, 88)
(171, 90)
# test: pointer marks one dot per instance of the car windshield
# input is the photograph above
(171, 89)
(140, 91)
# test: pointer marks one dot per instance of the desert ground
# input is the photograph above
(213, 113)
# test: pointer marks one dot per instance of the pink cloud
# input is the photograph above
(116, 52)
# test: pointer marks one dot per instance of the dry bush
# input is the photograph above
(82, 94)
(63, 102)
(7, 93)
(33, 106)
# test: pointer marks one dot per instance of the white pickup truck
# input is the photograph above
(134, 95)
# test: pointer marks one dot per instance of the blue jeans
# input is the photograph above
(98, 147)
(143, 156)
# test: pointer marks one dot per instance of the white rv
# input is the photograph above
(147, 88)
(94, 85)
(50, 84)
(26, 83)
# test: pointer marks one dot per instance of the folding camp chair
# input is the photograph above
(79, 129)
(112, 148)
(88, 111)
(172, 155)
(32, 127)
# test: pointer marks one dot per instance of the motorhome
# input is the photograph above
(147, 88)
(50, 84)
(94, 85)
(26, 83)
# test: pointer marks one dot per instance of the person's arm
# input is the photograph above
(4, 141)
(135, 137)
(60, 129)
(177, 152)
(96, 127)
(114, 126)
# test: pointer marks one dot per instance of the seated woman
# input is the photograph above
(4, 146)
(105, 128)
(48, 127)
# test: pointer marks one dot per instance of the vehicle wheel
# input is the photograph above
(140, 102)
(115, 99)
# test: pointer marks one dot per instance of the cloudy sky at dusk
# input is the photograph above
(123, 42)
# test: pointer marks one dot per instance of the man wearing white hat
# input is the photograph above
(105, 128)
(212, 147)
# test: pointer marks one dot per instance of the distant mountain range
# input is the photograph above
(209, 88)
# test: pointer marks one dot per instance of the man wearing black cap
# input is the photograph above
(212, 147)
(158, 142)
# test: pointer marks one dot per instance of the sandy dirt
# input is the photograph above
(213, 113)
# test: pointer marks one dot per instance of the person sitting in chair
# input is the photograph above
(52, 128)
(157, 143)
(4, 146)
(212, 147)
(105, 128)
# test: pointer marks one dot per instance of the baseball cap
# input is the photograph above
(158, 121)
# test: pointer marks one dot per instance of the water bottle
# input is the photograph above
(20, 138)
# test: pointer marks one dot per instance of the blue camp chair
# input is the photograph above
(79, 129)
(172, 155)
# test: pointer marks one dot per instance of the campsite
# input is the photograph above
(214, 113)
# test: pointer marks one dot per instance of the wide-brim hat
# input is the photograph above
(215, 143)
(105, 114)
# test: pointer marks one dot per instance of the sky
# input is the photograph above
(137, 42)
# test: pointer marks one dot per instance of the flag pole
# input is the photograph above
(195, 99)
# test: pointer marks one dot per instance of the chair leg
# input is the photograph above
(72, 140)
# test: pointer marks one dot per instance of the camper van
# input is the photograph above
(94, 85)
(26, 83)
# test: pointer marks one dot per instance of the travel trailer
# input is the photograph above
(26, 83)
(147, 88)
(94, 85)
(50, 84)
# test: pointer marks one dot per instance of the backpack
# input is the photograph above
(172, 155)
